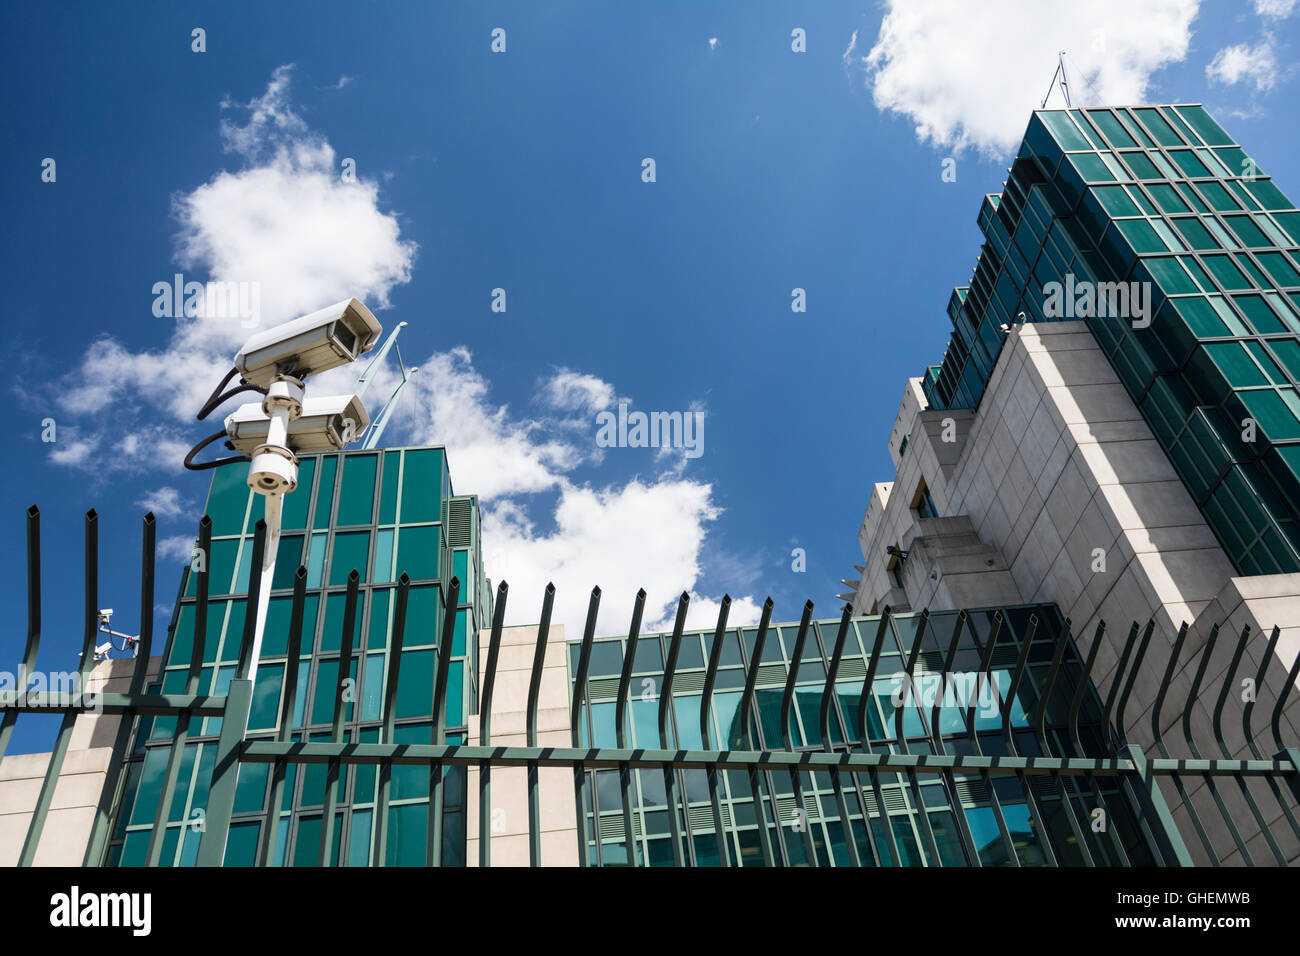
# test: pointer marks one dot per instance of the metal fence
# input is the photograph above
(1104, 758)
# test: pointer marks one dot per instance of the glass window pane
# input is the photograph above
(357, 494)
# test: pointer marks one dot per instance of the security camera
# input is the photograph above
(315, 343)
(324, 424)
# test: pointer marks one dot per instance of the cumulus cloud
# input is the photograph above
(1275, 9)
(1244, 63)
(165, 502)
(968, 74)
(640, 535)
(284, 223)
(179, 547)
(646, 532)
(575, 391)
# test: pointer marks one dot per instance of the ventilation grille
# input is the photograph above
(604, 689)
(611, 826)
(972, 791)
(460, 521)
(688, 683)
(702, 818)
(852, 668)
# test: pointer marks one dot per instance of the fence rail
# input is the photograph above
(853, 773)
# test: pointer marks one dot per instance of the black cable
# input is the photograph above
(203, 466)
(218, 397)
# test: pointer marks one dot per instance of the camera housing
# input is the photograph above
(325, 339)
(323, 425)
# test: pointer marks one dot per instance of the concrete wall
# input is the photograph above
(1055, 489)
(509, 794)
(80, 784)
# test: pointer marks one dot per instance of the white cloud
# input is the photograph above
(1245, 63)
(490, 452)
(165, 502)
(640, 535)
(179, 547)
(575, 391)
(968, 74)
(284, 221)
(623, 536)
(1275, 9)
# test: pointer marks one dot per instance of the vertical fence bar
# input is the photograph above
(747, 739)
(620, 724)
(1009, 739)
(665, 707)
(270, 832)
(1217, 723)
(912, 785)
(706, 705)
(341, 693)
(575, 724)
(48, 785)
(180, 739)
(824, 724)
(380, 855)
(534, 692)
(936, 739)
(33, 623)
(986, 674)
(144, 645)
(1249, 732)
(1040, 731)
(1076, 705)
(864, 726)
(787, 741)
(485, 729)
(1192, 696)
(250, 610)
(1158, 734)
(433, 847)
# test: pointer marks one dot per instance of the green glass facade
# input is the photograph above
(936, 796)
(1159, 195)
(383, 513)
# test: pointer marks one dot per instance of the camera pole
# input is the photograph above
(273, 472)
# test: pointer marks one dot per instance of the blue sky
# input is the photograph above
(522, 170)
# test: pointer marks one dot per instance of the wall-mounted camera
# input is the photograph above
(315, 343)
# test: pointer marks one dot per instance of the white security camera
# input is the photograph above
(324, 340)
(325, 424)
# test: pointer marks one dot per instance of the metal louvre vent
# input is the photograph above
(785, 807)
(853, 668)
(771, 674)
(701, 818)
(972, 791)
(688, 683)
(604, 689)
(460, 519)
(611, 826)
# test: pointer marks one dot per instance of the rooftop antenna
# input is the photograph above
(376, 430)
(1065, 85)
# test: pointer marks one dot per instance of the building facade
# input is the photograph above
(383, 513)
(1114, 426)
